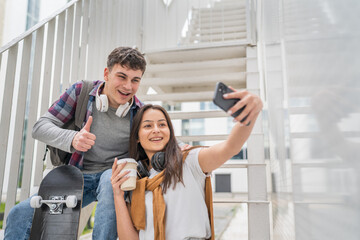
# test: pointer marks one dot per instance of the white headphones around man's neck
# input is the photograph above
(102, 104)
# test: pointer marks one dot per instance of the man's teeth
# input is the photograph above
(124, 93)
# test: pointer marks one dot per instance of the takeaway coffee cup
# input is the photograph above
(130, 183)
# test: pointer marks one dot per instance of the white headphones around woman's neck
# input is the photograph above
(102, 104)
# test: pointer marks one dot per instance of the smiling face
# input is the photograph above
(121, 84)
(154, 132)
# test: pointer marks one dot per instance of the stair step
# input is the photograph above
(187, 93)
(179, 97)
(219, 37)
(219, 30)
(199, 65)
(241, 164)
(200, 114)
(191, 54)
(223, 7)
(220, 9)
(230, 23)
(218, 16)
(236, 77)
(240, 42)
(236, 16)
(195, 138)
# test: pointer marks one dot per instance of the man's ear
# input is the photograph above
(106, 74)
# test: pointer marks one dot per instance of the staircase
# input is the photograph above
(180, 79)
(221, 21)
(214, 49)
(217, 46)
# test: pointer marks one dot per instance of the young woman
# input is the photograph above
(171, 204)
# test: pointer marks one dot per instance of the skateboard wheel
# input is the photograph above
(35, 202)
(71, 201)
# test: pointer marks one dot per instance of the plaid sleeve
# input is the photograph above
(64, 107)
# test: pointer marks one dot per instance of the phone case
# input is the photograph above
(225, 104)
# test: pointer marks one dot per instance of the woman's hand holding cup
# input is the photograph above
(118, 177)
(123, 175)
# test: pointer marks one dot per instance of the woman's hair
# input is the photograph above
(173, 155)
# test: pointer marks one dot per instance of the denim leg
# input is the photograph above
(90, 186)
(18, 222)
(105, 217)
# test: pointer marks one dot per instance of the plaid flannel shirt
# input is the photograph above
(64, 110)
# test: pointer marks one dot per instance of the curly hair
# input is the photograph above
(127, 57)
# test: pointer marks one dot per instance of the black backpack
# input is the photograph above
(57, 156)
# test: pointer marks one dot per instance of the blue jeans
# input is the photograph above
(97, 187)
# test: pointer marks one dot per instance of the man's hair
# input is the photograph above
(127, 57)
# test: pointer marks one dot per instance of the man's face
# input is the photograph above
(121, 84)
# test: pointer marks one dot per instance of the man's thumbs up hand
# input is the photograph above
(84, 139)
(88, 124)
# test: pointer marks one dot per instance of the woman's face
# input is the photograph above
(154, 132)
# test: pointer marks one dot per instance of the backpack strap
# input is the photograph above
(82, 103)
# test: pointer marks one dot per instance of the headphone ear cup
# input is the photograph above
(142, 170)
(102, 103)
(122, 110)
(158, 161)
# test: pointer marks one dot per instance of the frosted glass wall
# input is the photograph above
(311, 72)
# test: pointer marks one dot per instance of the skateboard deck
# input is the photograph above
(58, 205)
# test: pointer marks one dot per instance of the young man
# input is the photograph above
(105, 135)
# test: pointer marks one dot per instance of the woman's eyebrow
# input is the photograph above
(147, 121)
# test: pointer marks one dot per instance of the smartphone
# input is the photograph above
(225, 104)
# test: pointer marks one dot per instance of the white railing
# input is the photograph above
(70, 45)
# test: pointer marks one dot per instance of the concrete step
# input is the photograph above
(234, 77)
(192, 54)
(219, 36)
(220, 9)
(179, 97)
(240, 164)
(217, 137)
(219, 24)
(229, 4)
(200, 114)
(239, 63)
(240, 42)
(200, 138)
(219, 30)
(187, 93)
(218, 15)
(222, 17)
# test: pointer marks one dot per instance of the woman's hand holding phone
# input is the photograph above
(244, 109)
(250, 101)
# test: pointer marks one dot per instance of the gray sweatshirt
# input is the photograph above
(112, 138)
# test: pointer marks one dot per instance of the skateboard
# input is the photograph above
(58, 205)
